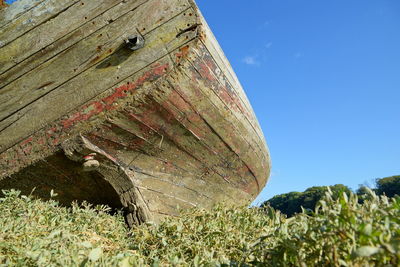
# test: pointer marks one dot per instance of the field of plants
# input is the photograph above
(340, 232)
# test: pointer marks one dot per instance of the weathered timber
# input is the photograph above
(147, 131)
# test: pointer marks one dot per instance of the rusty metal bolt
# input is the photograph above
(135, 42)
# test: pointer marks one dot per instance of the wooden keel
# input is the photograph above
(148, 131)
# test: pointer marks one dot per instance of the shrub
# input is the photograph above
(37, 233)
(340, 232)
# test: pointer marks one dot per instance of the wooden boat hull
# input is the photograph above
(165, 126)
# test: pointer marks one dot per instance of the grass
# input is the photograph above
(339, 232)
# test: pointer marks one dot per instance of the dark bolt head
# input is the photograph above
(135, 42)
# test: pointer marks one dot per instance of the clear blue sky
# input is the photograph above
(324, 80)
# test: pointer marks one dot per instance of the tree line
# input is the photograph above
(293, 202)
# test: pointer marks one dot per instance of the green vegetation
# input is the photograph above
(390, 186)
(293, 202)
(341, 231)
(37, 233)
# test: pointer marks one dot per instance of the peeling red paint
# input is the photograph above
(208, 69)
(106, 103)
(206, 73)
(20, 154)
(231, 99)
(27, 141)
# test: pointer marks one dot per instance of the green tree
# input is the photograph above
(390, 186)
(291, 203)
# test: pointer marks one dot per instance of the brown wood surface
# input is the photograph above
(47, 52)
(170, 123)
(44, 94)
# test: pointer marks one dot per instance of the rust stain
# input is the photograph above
(183, 52)
(3, 4)
(94, 60)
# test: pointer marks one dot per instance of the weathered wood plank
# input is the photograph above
(166, 204)
(83, 55)
(69, 18)
(233, 92)
(52, 50)
(19, 8)
(157, 155)
(159, 43)
(218, 55)
(225, 68)
(197, 135)
(162, 205)
(150, 150)
(166, 125)
(39, 14)
(164, 182)
(213, 77)
(81, 119)
(191, 144)
(63, 23)
(219, 116)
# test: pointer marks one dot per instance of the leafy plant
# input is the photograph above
(37, 233)
(341, 231)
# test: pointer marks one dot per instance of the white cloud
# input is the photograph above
(268, 45)
(250, 60)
